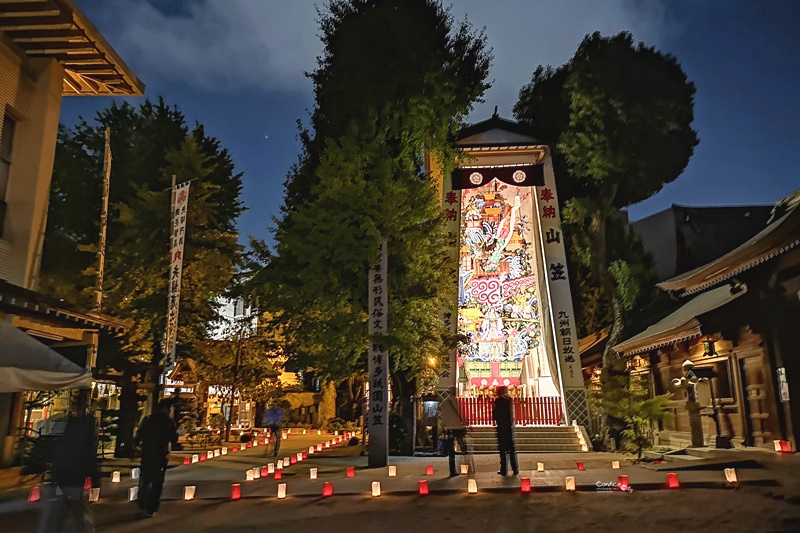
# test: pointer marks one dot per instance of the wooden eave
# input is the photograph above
(58, 29)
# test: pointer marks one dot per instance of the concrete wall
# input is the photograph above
(30, 92)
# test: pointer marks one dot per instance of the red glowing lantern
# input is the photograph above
(580, 466)
(305, 455)
(235, 449)
(264, 471)
(87, 484)
(351, 471)
(236, 491)
(672, 480)
(525, 484)
(278, 474)
(327, 489)
(423, 487)
(35, 494)
(622, 483)
(293, 460)
(186, 460)
(203, 456)
(429, 470)
(249, 444)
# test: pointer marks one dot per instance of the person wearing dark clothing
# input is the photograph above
(75, 460)
(273, 417)
(155, 434)
(503, 415)
(456, 432)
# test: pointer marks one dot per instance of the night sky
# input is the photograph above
(238, 67)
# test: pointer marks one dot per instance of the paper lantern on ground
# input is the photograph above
(187, 460)
(218, 452)
(730, 475)
(203, 456)
(271, 468)
(35, 494)
(615, 465)
(351, 471)
(133, 494)
(570, 483)
(304, 456)
(293, 460)
(115, 476)
(312, 473)
(225, 451)
(264, 471)
(465, 469)
(280, 464)
(255, 442)
(525, 484)
(423, 487)
(319, 447)
(94, 495)
(287, 461)
(256, 473)
(236, 491)
(472, 486)
(279, 474)
(310, 450)
(195, 458)
(304, 432)
(328, 444)
(87, 484)
(336, 433)
(540, 467)
(782, 446)
(188, 492)
(135, 473)
(299, 456)
(319, 432)
(376, 488)
(392, 471)
(580, 466)
(250, 444)
(281, 491)
(622, 483)
(672, 480)
(429, 470)
(249, 475)
(327, 489)
(235, 449)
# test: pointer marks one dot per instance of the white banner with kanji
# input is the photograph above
(180, 204)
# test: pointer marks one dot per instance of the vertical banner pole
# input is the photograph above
(378, 366)
(178, 215)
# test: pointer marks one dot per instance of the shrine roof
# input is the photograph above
(496, 132)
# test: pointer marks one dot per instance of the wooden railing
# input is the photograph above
(544, 411)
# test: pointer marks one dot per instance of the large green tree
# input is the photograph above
(150, 144)
(394, 81)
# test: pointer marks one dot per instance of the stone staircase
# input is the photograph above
(528, 439)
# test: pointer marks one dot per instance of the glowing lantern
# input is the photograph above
(622, 483)
(782, 446)
(319, 447)
(570, 483)
(203, 456)
(293, 460)
(87, 484)
(300, 456)
(672, 480)
(287, 461)
(249, 444)
(327, 489)
(195, 458)
(94, 495)
(135, 473)
(335, 432)
(525, 484)
(35, 495)
(304, 432)
(351, 471)
(312, 473)
(310, 450)
(423, 487)
(615, 465)
(429, 470)
(730, 475)
(235, 449)
(115, 476)
(249, 475)
(540, 467)
(236, 491)
(328, 444)
(392, 471)
(280, 464)
(225, 451)
(279, 474)
(281, 491)
(319, 432)
(376, 488)
(472, 486)
(271, 468)
(465, 469)
(188, 492)
(218, 452)
(255, 442)
(304, 455)
(133, 494)
(187, 460)
(580, 466)
(256, 473)
(264, 471)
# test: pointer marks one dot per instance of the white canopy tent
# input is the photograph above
(27, 364)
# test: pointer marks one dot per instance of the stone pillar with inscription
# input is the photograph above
(562, 314)
(378, 365)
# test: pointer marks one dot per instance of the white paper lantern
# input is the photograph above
(195, 458)
(540, 467)
(281, 491)
(217, 453)
(94, 494)
(376, 488)
(257, 473)
(472, 487)
(299, 456)
(135, 473)
(280, 464)
(271, 468)
(304, 432)
(224, 451)
(188, 492)
(312, 473)
(615, 464)
(465, 469)
(392, 471)
(570, 483)
(249, 475)
(310, 450)
(255, 442)
(730, 475)
(115, 476)
(319, 432)
(133, 494)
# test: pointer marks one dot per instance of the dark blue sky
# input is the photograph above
(237, 66)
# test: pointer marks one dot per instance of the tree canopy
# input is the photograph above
(394, 82)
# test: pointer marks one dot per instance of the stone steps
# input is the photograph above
(527, 439)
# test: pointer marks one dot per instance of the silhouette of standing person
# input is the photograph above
(456, 432)
(273, 418)
(155, 434)
(503, 415)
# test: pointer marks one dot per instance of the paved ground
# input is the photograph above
(756, 504)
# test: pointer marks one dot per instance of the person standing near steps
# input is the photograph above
(157, 432)
(503, 415)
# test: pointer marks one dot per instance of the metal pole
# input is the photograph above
(161, 368)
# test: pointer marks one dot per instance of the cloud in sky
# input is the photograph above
(224, 45)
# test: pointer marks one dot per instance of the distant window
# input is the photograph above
(6, 146)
